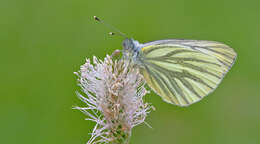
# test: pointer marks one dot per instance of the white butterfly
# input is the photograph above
(182, 72)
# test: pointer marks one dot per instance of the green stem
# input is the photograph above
(121, 135)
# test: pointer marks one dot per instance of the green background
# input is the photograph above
(44, 41)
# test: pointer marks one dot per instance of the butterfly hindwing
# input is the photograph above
(182, 72)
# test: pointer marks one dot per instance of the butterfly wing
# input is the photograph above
(182, 72)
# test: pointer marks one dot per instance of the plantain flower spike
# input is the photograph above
(113, 92)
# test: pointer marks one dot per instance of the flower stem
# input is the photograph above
(121, 135)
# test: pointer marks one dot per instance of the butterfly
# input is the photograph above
(181, 71)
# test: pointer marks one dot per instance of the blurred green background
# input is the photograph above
(44, 41)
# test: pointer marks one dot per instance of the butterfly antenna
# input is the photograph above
(111, 27)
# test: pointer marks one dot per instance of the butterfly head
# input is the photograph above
(131, 48)
(131, 45)
(128, 44)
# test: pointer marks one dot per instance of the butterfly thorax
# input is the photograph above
(132, 50)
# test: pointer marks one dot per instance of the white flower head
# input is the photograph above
(113, 93)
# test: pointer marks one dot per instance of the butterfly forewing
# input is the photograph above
(184, 71)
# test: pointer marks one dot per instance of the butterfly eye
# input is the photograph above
(126, 44)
